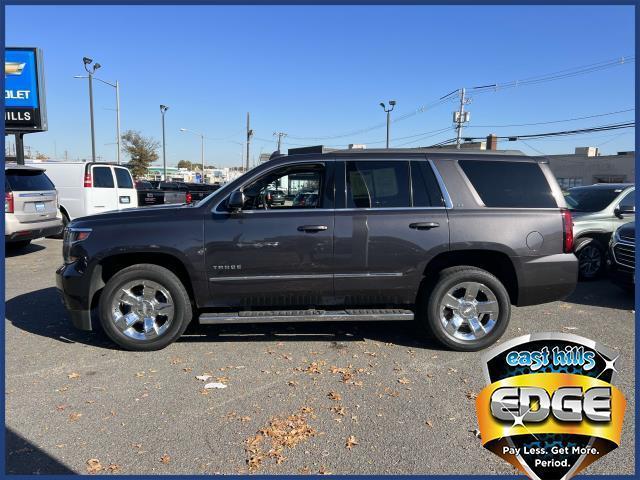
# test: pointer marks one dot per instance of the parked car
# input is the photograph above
(277, 197)
(194, 192)
(305, 199)
(622, 256)
(30, 205)
(86, 188)
(148, 195)
(597, 210)
(447, 239)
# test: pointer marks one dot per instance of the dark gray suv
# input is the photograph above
(446, 238)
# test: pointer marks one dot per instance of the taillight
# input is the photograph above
(8, 202)
(188, 197)
(87, 180)
(567, 227)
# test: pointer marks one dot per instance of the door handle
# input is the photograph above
(424, 225)
(312, 228)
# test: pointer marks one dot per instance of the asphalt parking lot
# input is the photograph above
(363, 399)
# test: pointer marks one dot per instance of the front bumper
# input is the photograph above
(74, 289)
(546, 279)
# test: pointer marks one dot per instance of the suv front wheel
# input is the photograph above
(144, 307)
(468, 308)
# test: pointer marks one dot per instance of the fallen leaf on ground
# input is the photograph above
(335, 396)
(165, 459)
(282, 433)
(73, 375)
(113, 468)
(74, 416)
(339, 409)
(351, 442)
(429, 423)
(93, 465)
(404, 381)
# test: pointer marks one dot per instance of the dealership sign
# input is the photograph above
(24, 98)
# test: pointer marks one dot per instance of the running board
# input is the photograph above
(280, 316)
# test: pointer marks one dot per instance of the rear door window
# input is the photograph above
(123, 178)
(27, 181)
(378, 184)
(509, 184)
(426, 192)
(102, 177)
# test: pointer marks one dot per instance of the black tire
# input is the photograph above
(19, 245)
(451, 277)
(160, 275)
(591, 258)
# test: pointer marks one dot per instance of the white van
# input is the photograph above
(85, 188)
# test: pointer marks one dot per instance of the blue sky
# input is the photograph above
(315, 71)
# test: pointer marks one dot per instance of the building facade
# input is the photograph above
(586, 166)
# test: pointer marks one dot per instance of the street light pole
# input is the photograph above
(163, 109)
(91, 70)
(118, 120)
(115, 85)
(392, 104)
(202, 154)
(202, 137)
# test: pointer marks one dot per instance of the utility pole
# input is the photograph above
(280, 135)
(460, 117)
(249, 135)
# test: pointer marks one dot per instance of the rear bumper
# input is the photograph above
(16, 232)
(74, 290)
(546, 279)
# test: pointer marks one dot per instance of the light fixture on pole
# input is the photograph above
(163, 109)
(91, 70)
(201, 135)
(392, 104)
(115, 85)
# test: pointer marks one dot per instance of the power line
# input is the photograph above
(600, 128)
(552, 121)
(548, 77)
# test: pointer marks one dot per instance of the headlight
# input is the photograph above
(616, 235)
(73, 235)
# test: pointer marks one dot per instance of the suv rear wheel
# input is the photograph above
(590, 255)
(468, 308)
(144, 307)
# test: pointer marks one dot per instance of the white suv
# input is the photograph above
(30, 205)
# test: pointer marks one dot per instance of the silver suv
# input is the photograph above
(30, 205)
(597, 211)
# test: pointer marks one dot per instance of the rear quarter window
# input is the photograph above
(102, 177)
(27, 181)
(123, 178)
(509, 184)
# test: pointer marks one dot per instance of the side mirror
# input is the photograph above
(626, 210)
(236, 201)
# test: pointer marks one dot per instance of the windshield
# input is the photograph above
(591, 199)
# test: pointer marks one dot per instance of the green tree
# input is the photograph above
(142, 152)
(185, 164)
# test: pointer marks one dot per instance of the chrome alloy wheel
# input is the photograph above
(589, 260)
(469, 311)
(142, 309)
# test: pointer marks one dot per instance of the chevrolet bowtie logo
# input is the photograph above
(13, 68)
